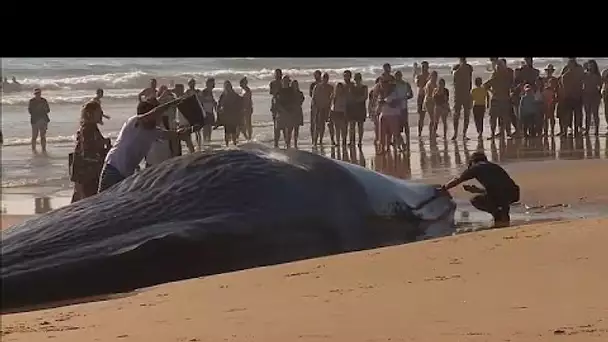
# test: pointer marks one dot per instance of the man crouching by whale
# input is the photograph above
(134, 140)
(499, 191)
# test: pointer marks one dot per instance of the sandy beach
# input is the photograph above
(539, 282)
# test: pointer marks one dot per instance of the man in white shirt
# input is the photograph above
(134, 140)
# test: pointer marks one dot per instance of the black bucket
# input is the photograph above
(192, 110)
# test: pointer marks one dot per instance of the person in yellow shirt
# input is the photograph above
(481, 100)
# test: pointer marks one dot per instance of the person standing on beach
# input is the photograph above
(246, 127)
(592, 96)
(463, 77)
(39, 111)
(404, 89)
(373, 109)
(358, 110)
(161, 150)
(350, 101)
(571, 95)
(429, 102)
(499, 85)
(313, 111)
(230, 112)
(386, 70)
(210, 107)
(338, 113)
(321, 99)
(274, 87)
(97, 98)
(481, 100)
(148, 93)
(605, 93)
(298, 113)
(196, 92)
(89, 154)
(421, 81)
(550, 98)
(134, 140)
(499, 190)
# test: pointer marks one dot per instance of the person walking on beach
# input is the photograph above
(274, 87)
(89, 154)
(357, 112)
(246, 127)
(210, 107)
(481, 100)
(421, 80)
(313, 110)
(148, 93)
(499, 190)
(230, 113)
(321, 99)
(592, 96)
(134, 140)
(463, 77)
(39, 111)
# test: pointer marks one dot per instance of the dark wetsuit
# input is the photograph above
(500, 189)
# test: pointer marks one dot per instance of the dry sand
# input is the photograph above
(543, 282)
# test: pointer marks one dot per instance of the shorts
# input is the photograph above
(322, 115)
(420, 104)
(461, 102)
(500, 108)
(390, 124)
(337, 116)
(229, 129)
(209, 119)
(40, 126)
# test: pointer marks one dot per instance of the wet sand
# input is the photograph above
(539, 282)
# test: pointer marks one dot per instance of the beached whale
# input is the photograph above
(213, 212)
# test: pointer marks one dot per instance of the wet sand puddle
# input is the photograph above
(468, 219)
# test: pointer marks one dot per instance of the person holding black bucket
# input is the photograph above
(135, 138)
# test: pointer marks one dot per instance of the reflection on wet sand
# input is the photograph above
(42, 205)
(429, 158)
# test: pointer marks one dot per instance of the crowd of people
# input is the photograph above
(521, 102)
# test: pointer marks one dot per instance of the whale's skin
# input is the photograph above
(212, 212)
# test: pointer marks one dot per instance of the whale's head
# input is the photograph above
(390, 196)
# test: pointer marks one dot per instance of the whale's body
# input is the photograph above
(213, 212)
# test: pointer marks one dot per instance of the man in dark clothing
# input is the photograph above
(499, 191)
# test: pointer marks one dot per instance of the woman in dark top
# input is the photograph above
(298, 113)
(441, 98)
(89, 154)
(230, 112)
(285, 103)
(358, 111)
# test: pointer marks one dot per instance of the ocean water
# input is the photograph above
(67, 83)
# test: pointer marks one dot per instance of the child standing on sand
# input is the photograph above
(480, 98)
(528, 111)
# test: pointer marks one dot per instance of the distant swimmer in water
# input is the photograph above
(499, 190)
(148, 93)
(39, 111)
